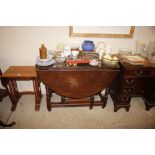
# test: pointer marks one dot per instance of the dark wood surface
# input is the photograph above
(76, 82)
(20, 71)
(131, 82)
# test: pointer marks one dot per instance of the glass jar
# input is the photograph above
(100, 48)
(108, 49)
(125, 51)
(140, 48)
(151, 51)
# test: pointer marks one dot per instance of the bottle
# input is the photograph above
(43, 52)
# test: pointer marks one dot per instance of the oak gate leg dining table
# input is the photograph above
(77, 85)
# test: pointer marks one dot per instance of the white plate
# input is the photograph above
(134, 58)
(51, 62)
(49, 57)
(93, 62)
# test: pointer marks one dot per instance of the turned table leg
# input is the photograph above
(12, 91)
(3, 93)
(91, 102)
(37, 93)
(7, 125)
(104, 98)
(48, 98)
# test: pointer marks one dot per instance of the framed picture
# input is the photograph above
(102, 31)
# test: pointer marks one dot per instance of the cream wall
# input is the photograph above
(19, 45)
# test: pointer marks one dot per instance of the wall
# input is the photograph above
(20, 45)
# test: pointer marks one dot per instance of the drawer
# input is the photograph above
(152, 73)
(129, 82)
(127, 91)
(138, 73)
(124, 100)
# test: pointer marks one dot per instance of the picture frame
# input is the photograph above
(102, 31)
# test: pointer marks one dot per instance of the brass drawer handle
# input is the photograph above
(125, 99)
(130, 82)
(138, 72)
(127, 90)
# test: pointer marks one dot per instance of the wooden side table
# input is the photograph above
(21, 73)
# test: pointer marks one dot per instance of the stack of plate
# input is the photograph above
(134, 59)
(110, 60)
(45, 62)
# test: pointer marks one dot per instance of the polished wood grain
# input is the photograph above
(76, 83)
(21, 73)
(133, 81)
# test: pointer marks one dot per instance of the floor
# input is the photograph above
(76, 117)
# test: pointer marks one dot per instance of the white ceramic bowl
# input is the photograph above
(49, 57)
(110, 62)
(43, 63)
(59, 60)
(94, 62)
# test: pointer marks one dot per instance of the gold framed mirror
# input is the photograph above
(102, 31)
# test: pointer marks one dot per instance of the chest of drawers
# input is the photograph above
(133, 81)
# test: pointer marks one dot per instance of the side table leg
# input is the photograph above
(13, 94)
(37, 93)
(7, 125)
(15, 88)
(9, 86)
(3, 93)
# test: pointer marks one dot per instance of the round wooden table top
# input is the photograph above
(77, 82)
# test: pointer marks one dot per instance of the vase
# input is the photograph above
(88, 45)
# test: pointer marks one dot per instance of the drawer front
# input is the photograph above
(129, 82)
(152, 73)
(124, 100)
(127, 91)
(138, 73)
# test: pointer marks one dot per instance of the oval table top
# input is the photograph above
(78, 81)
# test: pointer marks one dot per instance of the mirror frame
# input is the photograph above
(102, 35)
